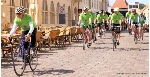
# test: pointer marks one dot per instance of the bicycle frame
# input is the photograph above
(22, 41)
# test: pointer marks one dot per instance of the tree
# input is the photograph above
(141, 6)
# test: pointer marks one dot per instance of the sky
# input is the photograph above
(111, 2)
(129, 1)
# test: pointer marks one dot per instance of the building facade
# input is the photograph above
(48, 11)
(95, 5)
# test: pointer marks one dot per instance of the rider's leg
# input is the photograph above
(89, 35)
(82, 29)
(98, 25)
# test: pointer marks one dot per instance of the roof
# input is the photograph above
(120, 4)
(146, 7)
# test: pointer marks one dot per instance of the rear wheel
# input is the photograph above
(33, 59)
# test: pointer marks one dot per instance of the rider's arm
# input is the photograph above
(80, 18)
(31, 27)
(138, 19)
(90, 21)
(13, 29)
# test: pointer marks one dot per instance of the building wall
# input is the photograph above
(95, 5)
(49, 10)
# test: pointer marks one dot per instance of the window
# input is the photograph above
(25, 4)
(97, 4)
(130, 6)
(12, 11)
(44, 12)
(92, 4)
(52, 13)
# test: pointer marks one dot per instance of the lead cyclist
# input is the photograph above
(27, 25)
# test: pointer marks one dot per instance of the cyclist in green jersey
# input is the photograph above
(127, 20)
(27, 25)
(116, 22)
(100, 20)
(108, 20)
(85, 20)
(93, 25)
(142, 23)
(134, 19)
(105, 26)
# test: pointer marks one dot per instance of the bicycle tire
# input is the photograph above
(34, 55)
(83, 44)
(14, 53)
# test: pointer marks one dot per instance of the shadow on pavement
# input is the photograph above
(53, 72)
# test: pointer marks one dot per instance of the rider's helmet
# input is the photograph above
(85, 8)
(133, 10)
(90, 11)
(20, 10)
(116, 9)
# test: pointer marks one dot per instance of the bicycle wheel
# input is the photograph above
(83, 44)
(33, 59)
(18, 64)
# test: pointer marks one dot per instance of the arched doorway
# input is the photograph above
(52, 13)
(75, 14)
(57, 12)
(44, 12)
(69, 16)
(12, 9)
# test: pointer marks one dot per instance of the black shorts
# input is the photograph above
(116, 29)
(93, 25)
(33, 38)
(99, 25)
(135, 24)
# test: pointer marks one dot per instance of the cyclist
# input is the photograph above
(93, 25)
(104, 26)
(127, 20)
(116, 21)
(85, 21)
(142, 23)
(100, 20)
(108, 20)
(134, 20)
(27, 25)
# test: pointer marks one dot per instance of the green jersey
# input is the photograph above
(105, 16)
(92, 17)
(85, 18)
(109, 17)
(99, 18)
(128, 14)
(116, 18)
(142, 20)
(24, 22)
(134, 17)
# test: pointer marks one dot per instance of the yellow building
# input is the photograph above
(49, 11)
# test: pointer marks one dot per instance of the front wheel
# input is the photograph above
(19, 64)
(33, 60)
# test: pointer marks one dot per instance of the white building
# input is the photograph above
(95, 5)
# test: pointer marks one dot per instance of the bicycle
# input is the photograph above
(23, 56)
(135, 33)
(115, 37)
(84, 42)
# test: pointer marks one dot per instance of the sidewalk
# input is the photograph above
(128, 60)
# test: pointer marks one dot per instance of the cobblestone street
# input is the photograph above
(128, 60)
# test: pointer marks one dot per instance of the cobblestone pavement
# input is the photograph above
(128, 60)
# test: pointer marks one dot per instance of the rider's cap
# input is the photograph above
(116, 9)
(20, 9)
